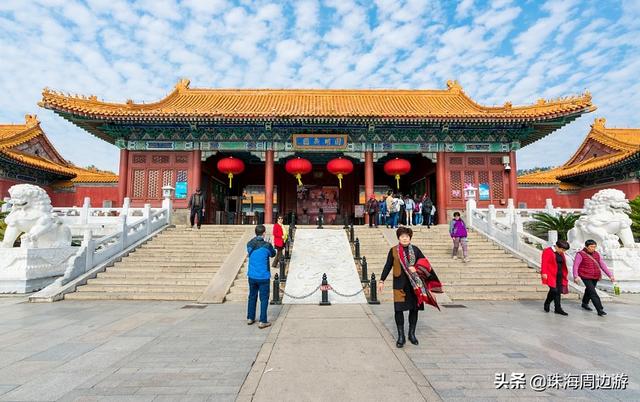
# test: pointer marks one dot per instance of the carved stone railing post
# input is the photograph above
(90, 245)
(84, 213)
(146, 214)
(491, 218)
(126, 204)
(515, 234)
(552, 235)
(124, 229)
(471, 206)
(548, 207)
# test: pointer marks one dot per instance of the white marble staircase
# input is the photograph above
(178, 264)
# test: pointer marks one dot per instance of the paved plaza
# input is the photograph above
(160, 351)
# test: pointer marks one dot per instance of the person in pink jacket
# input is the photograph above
(588, 266)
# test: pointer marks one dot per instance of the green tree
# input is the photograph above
(543, 222)
(635, 216)
(3, 225)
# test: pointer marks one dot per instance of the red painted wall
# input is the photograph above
(73, 196)
(535, 197)
(98, 195)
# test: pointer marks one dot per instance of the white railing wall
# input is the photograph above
(127, 226)
(507, 231)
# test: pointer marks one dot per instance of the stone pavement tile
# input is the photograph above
(4, 388)
(181, 398)
(333, 311)
(24, 371)
(329, 328)
(323, 385)
(162, 390)
(348, 354)
(64, 351)
(46, 387)
(222, 398)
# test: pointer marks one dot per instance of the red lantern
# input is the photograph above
(298, 166)
(397, 167)
(231, 166)
(340, 167)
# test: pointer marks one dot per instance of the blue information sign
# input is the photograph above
(181, 190)
(484, 192)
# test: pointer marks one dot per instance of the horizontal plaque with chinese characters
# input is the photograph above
(319, 142)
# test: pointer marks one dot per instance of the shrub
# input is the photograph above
(544, 222)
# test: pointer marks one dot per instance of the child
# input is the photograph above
(458, 232)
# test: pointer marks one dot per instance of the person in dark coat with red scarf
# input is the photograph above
(554, 274)
(413, 279)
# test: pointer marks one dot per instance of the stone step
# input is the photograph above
(182, 269)
(131, 296)
(174, 259)
(521, 295)
(124, 288)
(149, 281)
(113, 274)
(496, 288)
(489, 281)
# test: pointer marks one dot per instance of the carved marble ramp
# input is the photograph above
(318, 251)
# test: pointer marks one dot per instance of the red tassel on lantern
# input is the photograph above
(297, 167)
(340, 167)
(397, 167)
(231, 166)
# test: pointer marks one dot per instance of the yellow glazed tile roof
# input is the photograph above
(185, 102)
(37, 162)
(624, 141)
(12, 135)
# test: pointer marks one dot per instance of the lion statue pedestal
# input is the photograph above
(606, 221)
(45, 245)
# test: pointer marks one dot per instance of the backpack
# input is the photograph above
(395, 205)
(417, 207)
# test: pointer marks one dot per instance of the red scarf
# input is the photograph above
(423, 281)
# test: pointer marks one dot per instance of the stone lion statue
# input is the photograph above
(32, 214)
(605, 220)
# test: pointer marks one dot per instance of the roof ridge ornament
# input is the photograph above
(183, 84)
(31, 120)
(454, 86)
(598, 123)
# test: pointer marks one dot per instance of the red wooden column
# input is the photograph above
(441, 187)
(368, 180)
(268, 187)
(513, 178)
(197, 170)
(123, 176)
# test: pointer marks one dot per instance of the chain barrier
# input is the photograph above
(303, 296)
(345, 295)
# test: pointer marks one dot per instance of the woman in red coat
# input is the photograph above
(555, 274)
(279, 239)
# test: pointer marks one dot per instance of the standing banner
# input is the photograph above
(484, 192)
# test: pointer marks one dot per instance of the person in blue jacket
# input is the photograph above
(259, 276)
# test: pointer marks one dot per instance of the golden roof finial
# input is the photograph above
(599, 122)
(587, 95)
(182, 84)
(508, 105)
(31, 120)
(454, 86)
(130, 102)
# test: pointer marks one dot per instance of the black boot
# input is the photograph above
(412, 334)
(400, 342)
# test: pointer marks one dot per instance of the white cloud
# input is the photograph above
(499, 50)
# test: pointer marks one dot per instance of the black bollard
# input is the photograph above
(357, 249)
(363, 265)
(352, 234)
(287, 251)
(324, 286)
(373, 290)
(283, 275)
(291, 234)
(276, 290)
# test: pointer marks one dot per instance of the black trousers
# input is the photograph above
(192, 217)
(591, 294)
(554, 295)
(373, 219)
(276, 260)
(413, 318)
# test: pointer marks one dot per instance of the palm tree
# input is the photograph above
(544, 222)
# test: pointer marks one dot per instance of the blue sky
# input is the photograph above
(499, 51)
